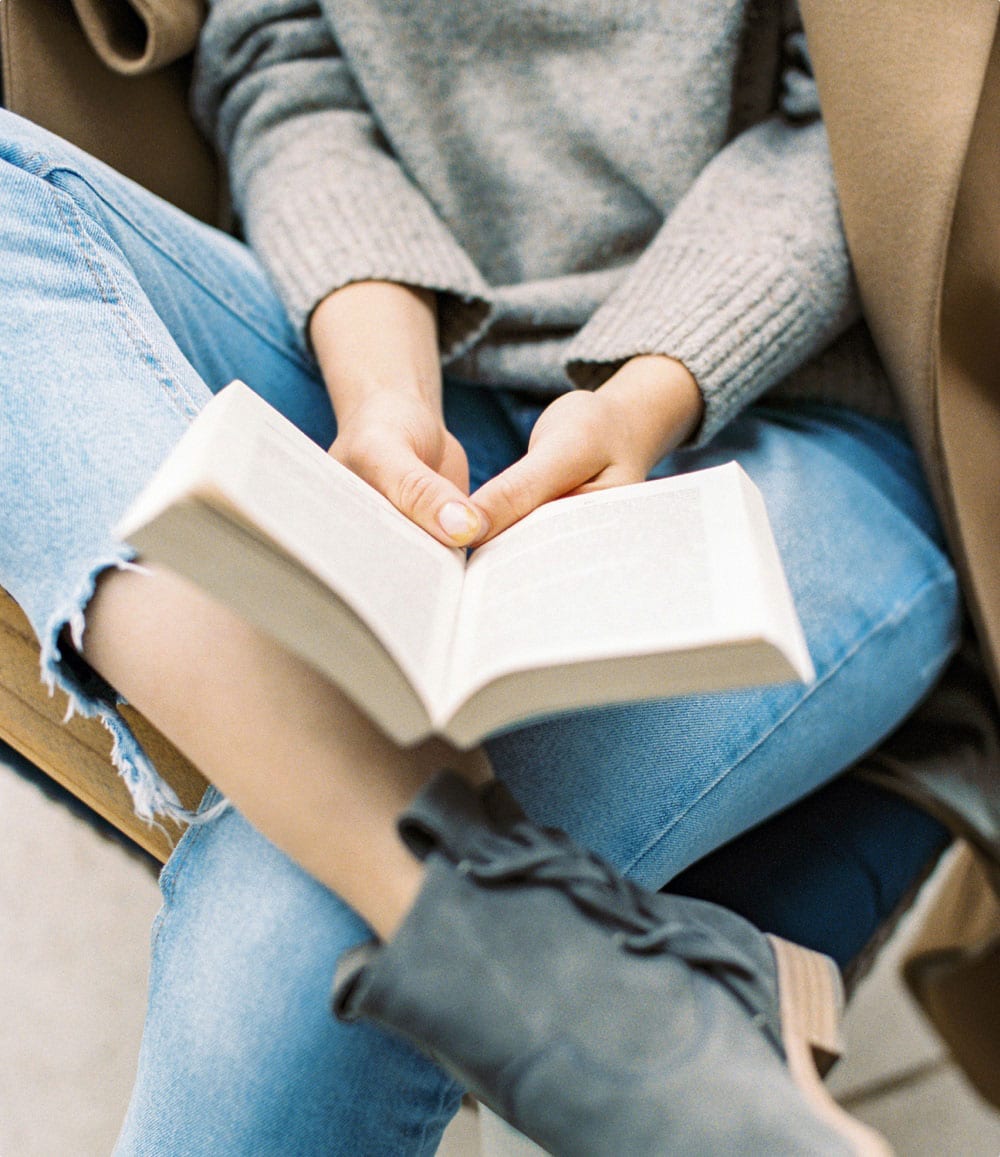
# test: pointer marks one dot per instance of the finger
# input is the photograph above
(454, 464)
(551, 468)
(433, 502)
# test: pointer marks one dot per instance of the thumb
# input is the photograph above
(434, 503)
(547, 471)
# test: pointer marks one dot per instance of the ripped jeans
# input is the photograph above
(121, 316)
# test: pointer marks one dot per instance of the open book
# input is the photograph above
(644, 591)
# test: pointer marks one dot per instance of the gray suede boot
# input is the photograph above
(598, 1018)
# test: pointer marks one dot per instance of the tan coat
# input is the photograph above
(911, 97)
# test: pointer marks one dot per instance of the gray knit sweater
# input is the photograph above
(562, 172)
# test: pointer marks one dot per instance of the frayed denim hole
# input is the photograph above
(90, 696)
(89, 682)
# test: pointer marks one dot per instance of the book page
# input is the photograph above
(401, 582)
(662, 566)
(583, 578)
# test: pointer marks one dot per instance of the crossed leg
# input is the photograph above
(151, 303)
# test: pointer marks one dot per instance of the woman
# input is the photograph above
(540, 195)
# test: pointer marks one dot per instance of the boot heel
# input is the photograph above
(811, 999)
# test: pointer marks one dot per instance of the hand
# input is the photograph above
(398, 443)
(594, 440)
(376, 343)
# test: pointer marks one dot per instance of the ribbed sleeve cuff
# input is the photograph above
(738, 321)
(315, 238)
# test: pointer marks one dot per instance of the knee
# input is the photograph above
(35, 165)
(24, 146)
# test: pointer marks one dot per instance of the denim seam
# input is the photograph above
(178, 857)
(190, 836)
(168, 879)
(899, 611)
(107, 287)
(218, 291)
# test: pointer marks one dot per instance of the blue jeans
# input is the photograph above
(121, 316)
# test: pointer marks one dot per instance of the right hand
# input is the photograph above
(398, 443)
(376, 343)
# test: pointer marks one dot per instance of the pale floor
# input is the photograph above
(75, 912)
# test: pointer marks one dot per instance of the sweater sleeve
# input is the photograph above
(748, 277)
(314, 186)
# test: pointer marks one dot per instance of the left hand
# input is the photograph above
(593, 440)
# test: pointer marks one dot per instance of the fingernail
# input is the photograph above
(461, 523)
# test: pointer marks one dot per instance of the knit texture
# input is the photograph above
(561, 172)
